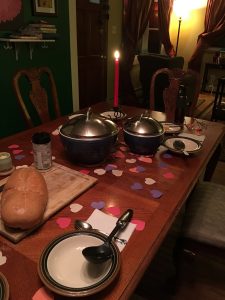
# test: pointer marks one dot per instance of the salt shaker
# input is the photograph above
(42, 151)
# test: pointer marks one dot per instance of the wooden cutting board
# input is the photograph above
(64, 184)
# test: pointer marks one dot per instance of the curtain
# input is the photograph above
(135, 21)
(214, 31)
(165, 9)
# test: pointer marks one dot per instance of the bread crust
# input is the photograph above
(24, 199)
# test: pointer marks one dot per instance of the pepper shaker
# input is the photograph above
(42, 151)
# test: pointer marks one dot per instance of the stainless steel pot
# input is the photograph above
(143, 134)
(88, 138)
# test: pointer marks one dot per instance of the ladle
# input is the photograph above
(179, 145)
(83, 225)
(100, 254)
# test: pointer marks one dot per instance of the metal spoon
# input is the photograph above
(179, 145)
(100, 254)
(82, 225)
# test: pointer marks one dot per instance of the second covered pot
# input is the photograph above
(143, 134)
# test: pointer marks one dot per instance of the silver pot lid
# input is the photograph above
(89, 126)
(143, 125)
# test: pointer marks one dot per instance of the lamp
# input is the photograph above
(181, 9)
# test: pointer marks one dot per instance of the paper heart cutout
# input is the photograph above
(115, 211)
(98, 204)
(43, 294)
(110, 167)
(169, 175)
(131, 160)
(145, 159)
(53, 157)
(23, 166)
(63, 222)
(156, 194)
(17, 151)
(167, 155)
(118, 154)
(123, 148)
(140, 224)
(14, 146)
(117, 173)
(3, 259)
(19, 156)
(99, 171)
(85, 171)
(138, 169)
(55, 132)
(136, 186)
(75, 207)
(163, 165)
(149, 181)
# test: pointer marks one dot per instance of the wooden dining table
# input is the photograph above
(164, 182)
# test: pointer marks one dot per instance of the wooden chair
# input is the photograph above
(40, 100)
(203, 230)
(176, 77)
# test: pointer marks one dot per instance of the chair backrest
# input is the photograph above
(175, 78)
(42, 96)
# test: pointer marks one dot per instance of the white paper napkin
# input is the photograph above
(105, 223)
(199, 138)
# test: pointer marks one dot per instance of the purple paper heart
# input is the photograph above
(110, 167)
(163, 165)
(156, 194)
(19, 157)
(98, 204)
(136, 186)
(167, 155)
(140, 169)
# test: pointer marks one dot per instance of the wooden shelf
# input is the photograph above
(9, 42)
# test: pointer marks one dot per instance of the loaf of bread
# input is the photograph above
(24, 199)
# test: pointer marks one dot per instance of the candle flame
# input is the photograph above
(116, 54)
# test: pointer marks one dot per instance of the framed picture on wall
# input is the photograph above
(44, 7)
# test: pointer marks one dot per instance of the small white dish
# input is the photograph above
(191, 145)
(64, 269)
(113, 115)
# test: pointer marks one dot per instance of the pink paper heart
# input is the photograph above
(140, 224)
(117, 173)
(75, 207)
(115, 211)
(168, 175)
(63, 222)
(85, 171)
(99, 171)
(133, 170)
(55, 132)
(123, 148)
(98, 204)
(17, 151)
(145, 159)
(14, 146)
(43, 294)
(119, 154)
(3, 259)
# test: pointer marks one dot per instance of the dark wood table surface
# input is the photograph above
(175, 176)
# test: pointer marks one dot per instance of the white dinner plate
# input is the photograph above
(191, 145)
(4, 288)
(113, 115)
(171, 128)
(63, 268)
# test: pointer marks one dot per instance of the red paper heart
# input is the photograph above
(115, 211)
(140, 224)
(63, 222)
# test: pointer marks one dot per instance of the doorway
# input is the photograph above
(92, 40)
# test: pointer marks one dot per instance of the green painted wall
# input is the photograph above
(56, 57)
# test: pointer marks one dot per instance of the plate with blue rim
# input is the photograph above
(64, 270)
(190, 145)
